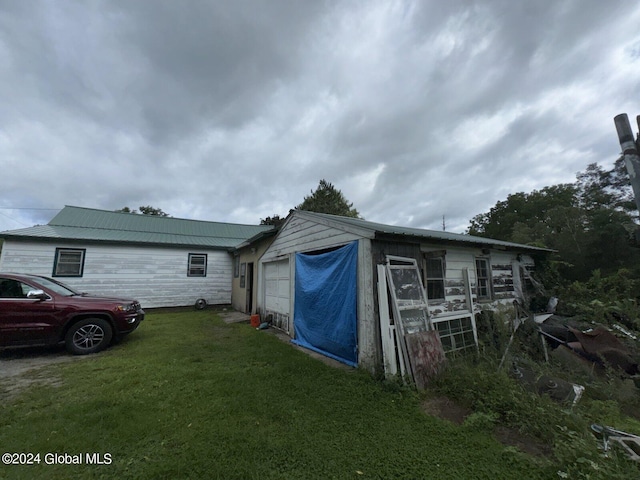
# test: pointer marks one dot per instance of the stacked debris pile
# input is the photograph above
(597, 344)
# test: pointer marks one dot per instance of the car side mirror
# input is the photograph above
(39, 294)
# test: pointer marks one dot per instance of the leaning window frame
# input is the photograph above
(57, 263)
(489, 286)
(201, 269)
(456, 333)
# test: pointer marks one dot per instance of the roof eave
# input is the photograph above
(462, 242)
(115, 242)
(254, 239)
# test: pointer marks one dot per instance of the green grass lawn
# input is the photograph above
(188, 396)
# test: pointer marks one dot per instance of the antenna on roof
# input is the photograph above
(444, 226)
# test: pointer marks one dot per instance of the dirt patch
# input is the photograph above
(513, 438)
(21, 368)
(447, 409)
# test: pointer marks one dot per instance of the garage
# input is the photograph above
(332, 304)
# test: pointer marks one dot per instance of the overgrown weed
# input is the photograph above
(475, 381)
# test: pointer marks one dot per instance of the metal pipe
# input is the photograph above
(630, 152)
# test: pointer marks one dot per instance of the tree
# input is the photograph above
(599, 188)
(588, 222)
(327, 199)
(276, 220)
(532, 208)
(149, 210)
(145, 210)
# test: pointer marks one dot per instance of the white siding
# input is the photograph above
(157, 277)
(502, 276)
(302, 235)
(505, 277)
(456, 260)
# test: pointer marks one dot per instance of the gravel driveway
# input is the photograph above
(22, 367)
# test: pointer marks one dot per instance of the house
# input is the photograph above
(316, 278)
(318, 281)
(160, 261)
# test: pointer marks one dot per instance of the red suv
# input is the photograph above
(37, 310)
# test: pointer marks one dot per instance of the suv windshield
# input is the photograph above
(59, 288)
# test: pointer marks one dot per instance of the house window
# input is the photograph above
(435, 278)
(68, 262)
(243, 275)
(236, 266)
(197, 265)
(483, 279)
(456, 334)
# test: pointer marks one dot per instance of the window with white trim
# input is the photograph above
(69, 262)
(483, 279)
(197, 265)
(435, 278)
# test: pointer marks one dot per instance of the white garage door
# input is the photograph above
(277, 292)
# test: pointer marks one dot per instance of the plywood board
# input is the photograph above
(426, 356)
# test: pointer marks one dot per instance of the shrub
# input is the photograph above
(609, 299)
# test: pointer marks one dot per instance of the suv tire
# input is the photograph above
(88, 336)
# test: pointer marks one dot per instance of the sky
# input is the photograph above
(232, 111)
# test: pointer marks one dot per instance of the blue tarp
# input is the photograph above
(325, 314)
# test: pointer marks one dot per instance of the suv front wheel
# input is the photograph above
(88, 336)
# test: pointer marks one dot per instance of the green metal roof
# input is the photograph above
(76, 223)
(378, 229)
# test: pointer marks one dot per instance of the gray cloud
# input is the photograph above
(233, 111)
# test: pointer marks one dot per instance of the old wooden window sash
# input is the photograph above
(409, 303)
(483, 279)
(434, 272)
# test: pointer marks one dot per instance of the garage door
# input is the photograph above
(277, 293)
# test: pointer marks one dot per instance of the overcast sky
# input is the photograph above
(233, 111)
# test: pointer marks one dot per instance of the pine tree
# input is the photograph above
(327, 199)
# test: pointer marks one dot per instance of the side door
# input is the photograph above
(24, 320)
